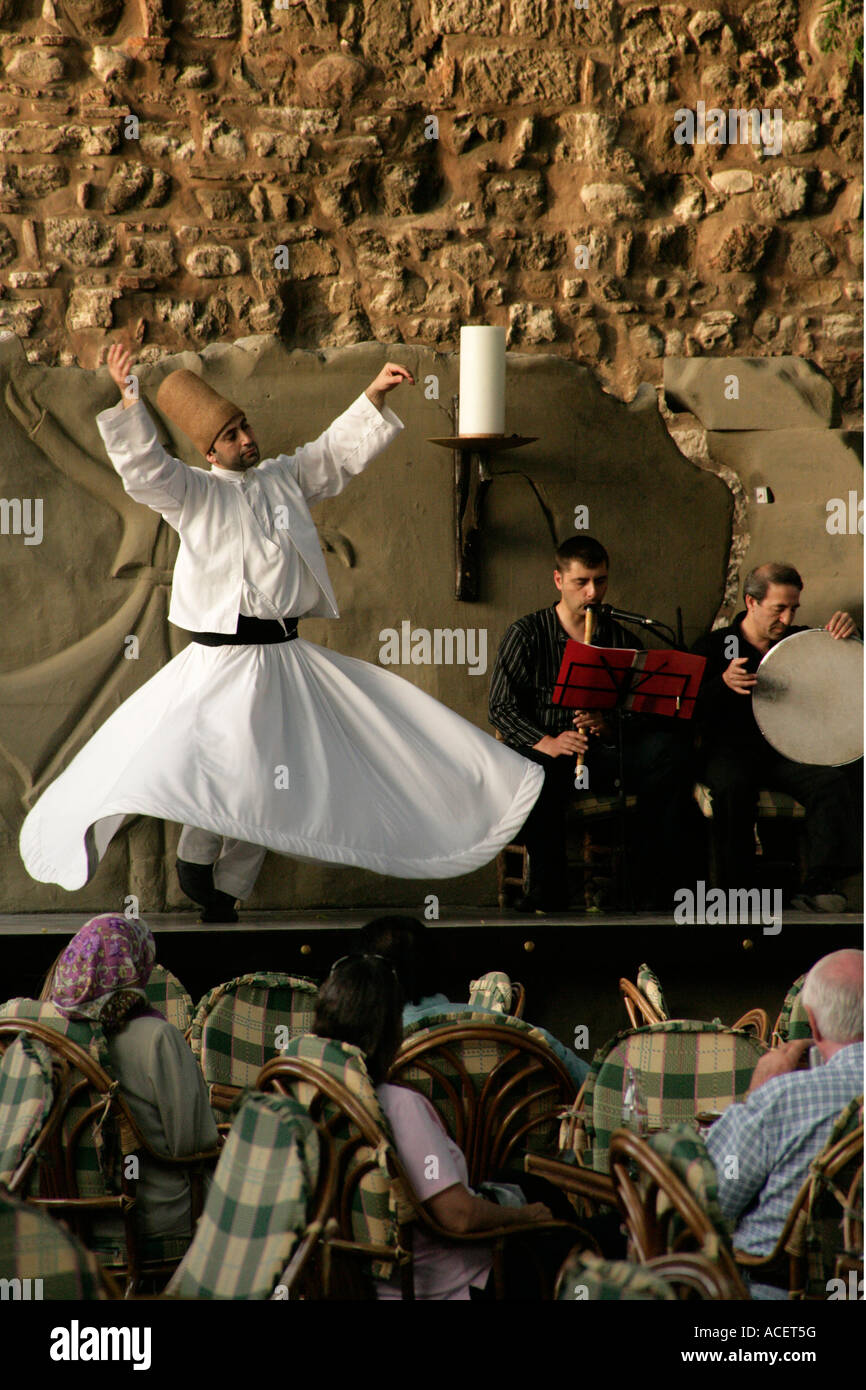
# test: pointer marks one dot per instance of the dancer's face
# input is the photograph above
(580, 585)
(235, 446)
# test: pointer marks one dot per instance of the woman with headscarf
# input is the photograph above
(99, 979)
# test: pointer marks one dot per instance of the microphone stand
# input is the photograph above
(670, 639)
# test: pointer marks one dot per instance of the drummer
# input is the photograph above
(736, 761)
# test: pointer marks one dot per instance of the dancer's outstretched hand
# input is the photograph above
(120, 368)
(391, 375)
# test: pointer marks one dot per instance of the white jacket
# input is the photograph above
(209, 571)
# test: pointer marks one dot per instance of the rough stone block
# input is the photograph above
(783, 194)
(587, 137)
(20, 315)
(743, 247)
(154, 256)
(774, 393)
(610, 201)
(80, 240)
(38, 180)
(809, 254)
(516, 197)
(90, 308)
(224, 204)
(35, 65)
(732, 180)
(212, 19)
(8, 248)
(465, 16)
(521, 77)
(210, 261)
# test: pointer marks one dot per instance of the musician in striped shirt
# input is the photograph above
(655, 751)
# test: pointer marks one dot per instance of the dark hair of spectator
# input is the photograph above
(405, 942)
(361, 1002)
(758, 581)
(587, 551)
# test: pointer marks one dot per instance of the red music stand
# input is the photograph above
(623, 679)
(619, 678)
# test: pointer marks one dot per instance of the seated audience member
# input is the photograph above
(404, 941)
(655, 751)
(361, 1003)
(736, 761)
(99, 979)
(762, 1146)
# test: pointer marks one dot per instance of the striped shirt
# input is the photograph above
(527, 665)
(762, 1148)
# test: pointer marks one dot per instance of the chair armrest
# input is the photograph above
(576, 1181)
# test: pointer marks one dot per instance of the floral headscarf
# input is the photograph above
(102, 973)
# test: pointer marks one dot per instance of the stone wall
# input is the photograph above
(336, 171)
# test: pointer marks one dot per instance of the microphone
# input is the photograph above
(606, 610)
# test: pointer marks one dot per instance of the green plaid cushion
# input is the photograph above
(686, 1154)
(379, 1203)
(257, 1203)
(793, 1021)
(650, 985)
(38, 1251)
(88, 1174)
(492, 991)
(26, 1096)
(243, 1023)
(587, 1276)
(461, 1077)
(166, 994)
(683, 1066)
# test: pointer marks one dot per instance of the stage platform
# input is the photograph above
(342, 919)
(570, 963)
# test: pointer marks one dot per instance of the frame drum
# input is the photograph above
(808, 702)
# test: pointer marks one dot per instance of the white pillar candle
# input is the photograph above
(482, 381)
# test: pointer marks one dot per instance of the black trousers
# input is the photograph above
(736, 772)
(664, 844)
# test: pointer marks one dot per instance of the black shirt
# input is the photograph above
(722, 715)
(527, 665)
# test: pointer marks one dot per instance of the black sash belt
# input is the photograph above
(250, 632)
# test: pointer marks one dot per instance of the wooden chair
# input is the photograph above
(824, 1228)
(771, 806)
(498, 1088)
(644, 1003)
(85, 1170)
(682, 1065)
(241, 1024)
(496, 991)
(376, 1210)
(587, 1277)
(665, 1216)
(512, 862)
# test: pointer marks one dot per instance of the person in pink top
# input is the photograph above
(361, 1003)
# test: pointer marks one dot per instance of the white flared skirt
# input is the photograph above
(310, 753)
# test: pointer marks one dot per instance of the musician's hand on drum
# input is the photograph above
(841, 625)
(569, 743)
(737, 678)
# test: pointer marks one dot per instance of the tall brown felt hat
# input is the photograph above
(199, 410)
